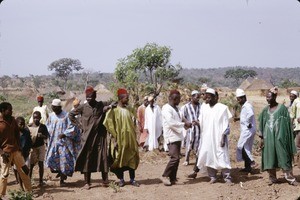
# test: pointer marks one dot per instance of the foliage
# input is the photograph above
(19, 195)
(114, 186)
(150, 66)
(64, 67)
(286, 83)
(239, 74)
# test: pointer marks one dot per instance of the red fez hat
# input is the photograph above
(89, 90)
(122, 91)
(174, 92)
(40, 98)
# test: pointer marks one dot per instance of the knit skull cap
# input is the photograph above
(294, 92)
(89, 90)
(146, 98)
(174, 92)
(210, 91)
(40, 98)
(239, 92)
(150, 98)
(122, 91)
(194, 92)
(56, 102)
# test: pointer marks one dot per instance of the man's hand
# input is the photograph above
(187, 125)
(61, 136)
(195, 123)
(223, 140)
(5, 158)
(298, 120)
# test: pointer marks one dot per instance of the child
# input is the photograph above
(25, 143)
(39, 133)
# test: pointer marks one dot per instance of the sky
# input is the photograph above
(201, 33)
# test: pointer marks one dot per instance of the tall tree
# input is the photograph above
(238, 74)
(64, 67)
(147, 69)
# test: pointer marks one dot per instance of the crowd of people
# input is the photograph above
(101, 136)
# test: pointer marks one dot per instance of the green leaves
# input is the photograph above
(149, 65)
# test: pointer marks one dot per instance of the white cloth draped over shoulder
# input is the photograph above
(247, 134)
(153, 123)
(214, 122)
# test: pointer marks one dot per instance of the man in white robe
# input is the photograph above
(153, 124)
(248, 130)
(213, 151)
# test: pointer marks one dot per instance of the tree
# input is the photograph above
(64, 67)
(286, 83)
(238, 74)
(146, 70)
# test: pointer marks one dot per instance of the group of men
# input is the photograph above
(78, 139)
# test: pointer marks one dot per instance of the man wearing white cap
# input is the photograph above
(191, 113)
(153, 124)
(213, 153)
(248, 130)
(295, 117)
(63, 142)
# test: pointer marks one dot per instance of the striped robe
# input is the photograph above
(193, 134)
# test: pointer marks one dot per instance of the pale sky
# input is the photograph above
(202, 33)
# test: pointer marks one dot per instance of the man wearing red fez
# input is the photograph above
(92, 156)
(43, 109)
(124, 148)
(173, 125)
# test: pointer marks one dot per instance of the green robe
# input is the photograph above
(119, 122)
(279, 146)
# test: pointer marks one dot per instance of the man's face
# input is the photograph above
(146, 102)
(124, 99)
(36, 119)
(196, 98)
(271, 98)
(210, 99)
(90, 97)
(40, 103)
(175, 98)
(151, 102)
(292, 97)
(241, 100)
(8, 112)
(21, 124)
(56, 109)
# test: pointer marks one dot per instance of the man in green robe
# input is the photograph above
(277, 141)
(123, 150)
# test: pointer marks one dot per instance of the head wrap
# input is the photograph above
(89, 90)
(174, 92)
(210, 91)
(239, 92)
(294, 92)
(122, 91)
(274, 90)
(194, 92)
(56, 102)
(40, 98)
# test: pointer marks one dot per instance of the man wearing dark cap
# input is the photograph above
(93, 154)
(173, 125)
(123, 146)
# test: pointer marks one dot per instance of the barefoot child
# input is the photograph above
(39, 133)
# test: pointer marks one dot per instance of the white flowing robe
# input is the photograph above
(214, 122)
(247, 135)
(153, 123)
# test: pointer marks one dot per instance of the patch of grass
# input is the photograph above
(19, 195)
(113, 185)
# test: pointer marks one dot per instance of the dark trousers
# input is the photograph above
(246, 159)
(196, 169)
(120, 172)
(172, 166)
